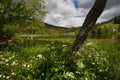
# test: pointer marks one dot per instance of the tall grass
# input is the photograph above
(45, 60)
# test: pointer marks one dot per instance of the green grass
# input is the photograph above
(44, 59)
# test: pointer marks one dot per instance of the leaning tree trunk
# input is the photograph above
(88, 24)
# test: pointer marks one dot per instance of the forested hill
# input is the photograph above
(51, 29)
(54, 27)
(108, 27)
(114, 22)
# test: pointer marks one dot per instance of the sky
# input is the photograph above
(71, 13)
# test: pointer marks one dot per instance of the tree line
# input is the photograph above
(20, 15)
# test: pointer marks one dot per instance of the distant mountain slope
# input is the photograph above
(60, 30)
(54, 27)
(108, 27)
(114, 22)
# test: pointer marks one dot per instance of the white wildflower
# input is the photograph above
(1, 62)
(12, 73)
(100, 70)
(93, 63)
(77, 72)
(3, 58)
(97, 54)
(64, 45)
(86, 78)
(7, 77)
(4, 76)
(14, 63)
(11, 57)
(7, 64)
(52, 42)
(0, 76)
(6, 60)
(28, 66)
(69, 75)
(80, 64)
(78, 53)
(24, 65)
(39, 56)
(64, 49)
(53, 47)
(89, 43)
(89, 56)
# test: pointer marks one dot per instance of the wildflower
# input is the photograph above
(7, 77)
(93, 63)
(0, 76)
(53, 47)
(69, 75)
(97, 54)
(77, 72)
(89, 43)
(14, 63)
(64, 49)
(3, 59)
(12, 73)
(28, 66)
(86, 78)
(1, 62)
(100, 70)
(1, 56)
(80, 64)
(6, 60)
(24, 65)
(39, 56)
(52, 42)
(4, 76)
(64, 45)
(89, 56)
(105, 59)
(7, 64)
(78, 53)
(11, 57)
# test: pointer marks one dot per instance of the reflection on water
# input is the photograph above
(112, 36)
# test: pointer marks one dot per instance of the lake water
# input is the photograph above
(112, 36)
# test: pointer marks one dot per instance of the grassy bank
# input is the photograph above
(44, 59)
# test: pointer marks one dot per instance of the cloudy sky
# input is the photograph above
(71, 13)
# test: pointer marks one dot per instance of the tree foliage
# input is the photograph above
(14, 12)
(117, 20)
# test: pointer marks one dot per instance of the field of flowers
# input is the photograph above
(45, 60)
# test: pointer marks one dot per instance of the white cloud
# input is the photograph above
(109, 13)
(63, 12)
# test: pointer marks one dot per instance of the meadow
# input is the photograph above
(44, 59)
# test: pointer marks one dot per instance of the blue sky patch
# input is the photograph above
(76, 3)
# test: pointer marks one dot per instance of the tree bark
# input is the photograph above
(88, 24)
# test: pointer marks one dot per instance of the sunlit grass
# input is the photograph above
(44, 59)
